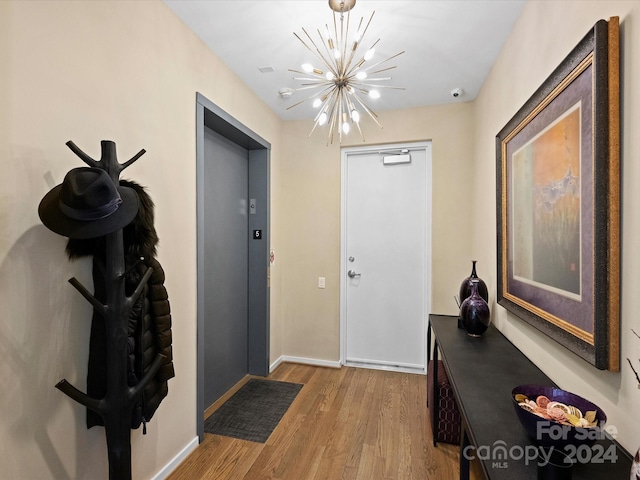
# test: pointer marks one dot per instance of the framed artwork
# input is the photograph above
(558, 202)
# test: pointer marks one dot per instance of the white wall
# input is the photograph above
(544, 34)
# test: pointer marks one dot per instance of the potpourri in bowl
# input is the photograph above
(553, 417)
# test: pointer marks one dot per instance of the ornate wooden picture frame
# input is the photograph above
(558, 202)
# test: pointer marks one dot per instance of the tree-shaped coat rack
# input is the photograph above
(117, 405)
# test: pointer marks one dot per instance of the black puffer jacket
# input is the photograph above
(149, 332)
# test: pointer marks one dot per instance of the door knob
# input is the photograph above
(352, 274)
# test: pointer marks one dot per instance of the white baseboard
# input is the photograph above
(177, 460)
(305, 361)
(400, 368)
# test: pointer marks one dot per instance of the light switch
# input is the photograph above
(321, 282)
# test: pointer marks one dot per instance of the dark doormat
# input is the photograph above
(253, 412)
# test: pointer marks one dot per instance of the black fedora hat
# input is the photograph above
(87, 204)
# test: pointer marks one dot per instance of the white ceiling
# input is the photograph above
(448, 44)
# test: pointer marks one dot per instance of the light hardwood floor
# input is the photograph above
(346, 423)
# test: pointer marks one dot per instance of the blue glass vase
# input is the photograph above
(474, 312)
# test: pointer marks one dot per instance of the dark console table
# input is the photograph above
(482, 372)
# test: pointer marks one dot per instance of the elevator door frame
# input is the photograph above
(210, 115)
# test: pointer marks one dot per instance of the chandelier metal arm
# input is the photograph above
(357, 84)
(332, 126)
(347, 62)
(326, 89)
(327, 44)
(342, 43)
(341, 116)
(383, 61)
(315, 81)
(329, 105)
(371, 113)
(317, 52)
(384, 70)
(333, 113)
(305, 73)
(360, 130)
(374, 85)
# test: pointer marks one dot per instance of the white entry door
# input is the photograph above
(386, 230)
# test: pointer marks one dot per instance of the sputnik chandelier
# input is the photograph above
(344, 78)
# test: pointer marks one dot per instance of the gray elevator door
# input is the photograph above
(226, 238)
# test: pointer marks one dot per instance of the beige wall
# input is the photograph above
(125, 71)
(128, 72)
(311, 194)
(544, 34)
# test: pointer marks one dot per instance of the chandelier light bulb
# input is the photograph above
(327, 33)
(307, 67)
(345, 123)
(374, 94)
(369, 54)
(355, 115)
(317, 102)
(361, 75)
(322, 119)
(330, 76)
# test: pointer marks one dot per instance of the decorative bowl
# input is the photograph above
(548, 432)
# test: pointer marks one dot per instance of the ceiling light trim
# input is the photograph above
(341, 5)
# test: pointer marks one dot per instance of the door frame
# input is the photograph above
(210, 115)
(383, 149)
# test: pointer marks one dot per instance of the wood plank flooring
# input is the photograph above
(346, 423)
